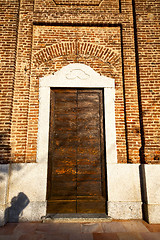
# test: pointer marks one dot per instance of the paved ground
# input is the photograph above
(115, 230)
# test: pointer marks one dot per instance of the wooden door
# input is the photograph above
(76, 170)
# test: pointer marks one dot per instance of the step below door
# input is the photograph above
(76, 169)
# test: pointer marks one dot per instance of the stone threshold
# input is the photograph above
(76, 218)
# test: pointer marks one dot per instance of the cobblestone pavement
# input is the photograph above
(115, 230)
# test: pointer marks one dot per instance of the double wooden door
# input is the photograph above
(76, 170)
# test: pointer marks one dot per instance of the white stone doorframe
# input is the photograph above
(76, 76)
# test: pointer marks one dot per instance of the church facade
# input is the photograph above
(80, 109)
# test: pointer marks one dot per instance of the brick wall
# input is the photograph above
(8, 40)
(100, 34)
(148, 34)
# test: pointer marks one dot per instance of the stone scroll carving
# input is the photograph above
(77, 73)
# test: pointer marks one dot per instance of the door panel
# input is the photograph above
(76, 171)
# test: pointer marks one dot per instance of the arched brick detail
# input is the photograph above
(105, 54)
(56, 50)
(81, 48)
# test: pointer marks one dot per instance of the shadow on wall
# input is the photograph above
(15, 211)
